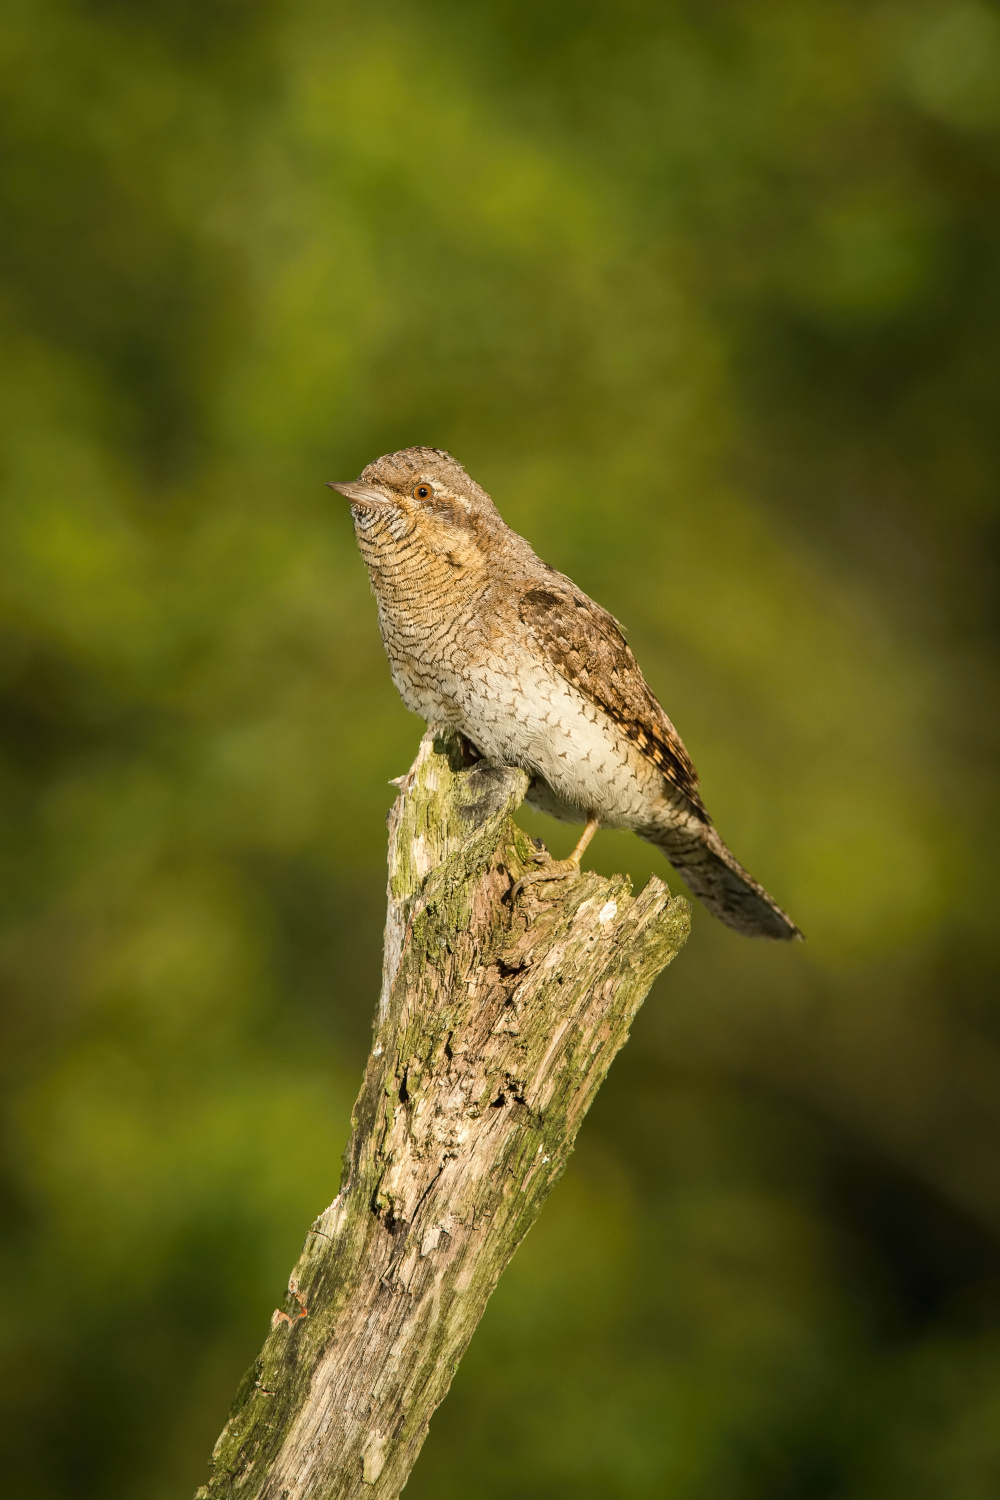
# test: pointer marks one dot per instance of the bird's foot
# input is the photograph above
(555, 869)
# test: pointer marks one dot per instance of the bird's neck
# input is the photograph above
(418, 591)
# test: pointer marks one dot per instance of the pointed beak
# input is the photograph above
(359, 494)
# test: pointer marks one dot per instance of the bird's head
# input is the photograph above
(420, 504)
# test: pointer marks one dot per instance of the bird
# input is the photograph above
(483, 635)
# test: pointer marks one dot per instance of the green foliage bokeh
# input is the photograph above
(708, 297)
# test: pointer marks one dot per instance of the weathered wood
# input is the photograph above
(497, 1024)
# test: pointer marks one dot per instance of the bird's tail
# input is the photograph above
(720, 881)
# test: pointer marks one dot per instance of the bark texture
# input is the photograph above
(497, 1023)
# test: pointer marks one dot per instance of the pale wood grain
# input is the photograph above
(496, 1026)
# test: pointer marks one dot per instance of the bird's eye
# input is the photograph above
(422, 492)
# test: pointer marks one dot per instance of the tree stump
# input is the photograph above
(497, 1023)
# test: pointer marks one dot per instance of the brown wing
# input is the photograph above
(586, 646)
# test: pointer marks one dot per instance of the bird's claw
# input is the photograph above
(555, 869)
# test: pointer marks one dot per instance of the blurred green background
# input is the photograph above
(708, 297)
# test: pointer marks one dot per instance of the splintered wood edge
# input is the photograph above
(451, 838)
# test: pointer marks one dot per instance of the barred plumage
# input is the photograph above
(480, 633)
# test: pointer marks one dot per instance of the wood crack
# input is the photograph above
(497, 1024)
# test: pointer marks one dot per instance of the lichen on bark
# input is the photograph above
(497, 1023)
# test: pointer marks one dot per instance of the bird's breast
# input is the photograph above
(431, 629)
(518, 709)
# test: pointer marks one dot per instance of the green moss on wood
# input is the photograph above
(497, 1025)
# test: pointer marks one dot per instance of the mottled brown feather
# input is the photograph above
(586, 646)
